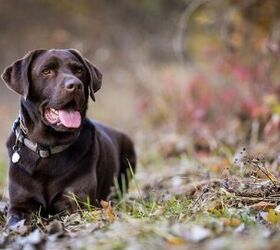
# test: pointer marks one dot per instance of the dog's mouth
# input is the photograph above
(68, 116)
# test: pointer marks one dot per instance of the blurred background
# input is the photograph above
(189, 74)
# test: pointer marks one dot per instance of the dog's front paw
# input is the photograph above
(16, 222)
(13, 220)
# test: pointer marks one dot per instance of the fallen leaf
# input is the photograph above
(273, 217)
(104, 204)
(174, 240)
(263, 206)
(108, 210)
(235, 222)
(215, 207)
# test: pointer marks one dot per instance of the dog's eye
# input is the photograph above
(78, 70)
(46, 72)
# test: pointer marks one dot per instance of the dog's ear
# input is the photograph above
(17, 75)
(94, 76)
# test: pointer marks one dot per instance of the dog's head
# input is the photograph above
(57, 82)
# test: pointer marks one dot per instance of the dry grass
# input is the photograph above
(180, 201)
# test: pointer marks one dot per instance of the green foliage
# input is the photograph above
(3, 173)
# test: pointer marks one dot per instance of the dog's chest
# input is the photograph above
(54, 181)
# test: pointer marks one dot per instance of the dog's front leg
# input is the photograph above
(22, 201)
(21, 211)
(73, 201)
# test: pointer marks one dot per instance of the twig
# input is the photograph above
(179, 41)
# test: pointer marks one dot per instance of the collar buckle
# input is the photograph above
(16, 124)
(43, 151)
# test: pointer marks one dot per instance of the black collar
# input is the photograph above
(43, 151)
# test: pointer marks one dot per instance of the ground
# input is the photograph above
(208, 200)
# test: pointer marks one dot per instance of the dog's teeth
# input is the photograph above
(53, 110)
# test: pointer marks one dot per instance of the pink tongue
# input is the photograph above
(70, 119)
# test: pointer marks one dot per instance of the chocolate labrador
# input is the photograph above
(59, 159)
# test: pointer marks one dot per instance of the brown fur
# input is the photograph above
(88, 166)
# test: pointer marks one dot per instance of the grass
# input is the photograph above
(176, 202)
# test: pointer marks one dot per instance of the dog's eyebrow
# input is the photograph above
(51, 62)
(50, 65)
(76, 64)
(52, 59)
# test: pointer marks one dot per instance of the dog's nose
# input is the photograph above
(73, 84)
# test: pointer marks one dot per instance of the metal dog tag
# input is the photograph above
(15, 157)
